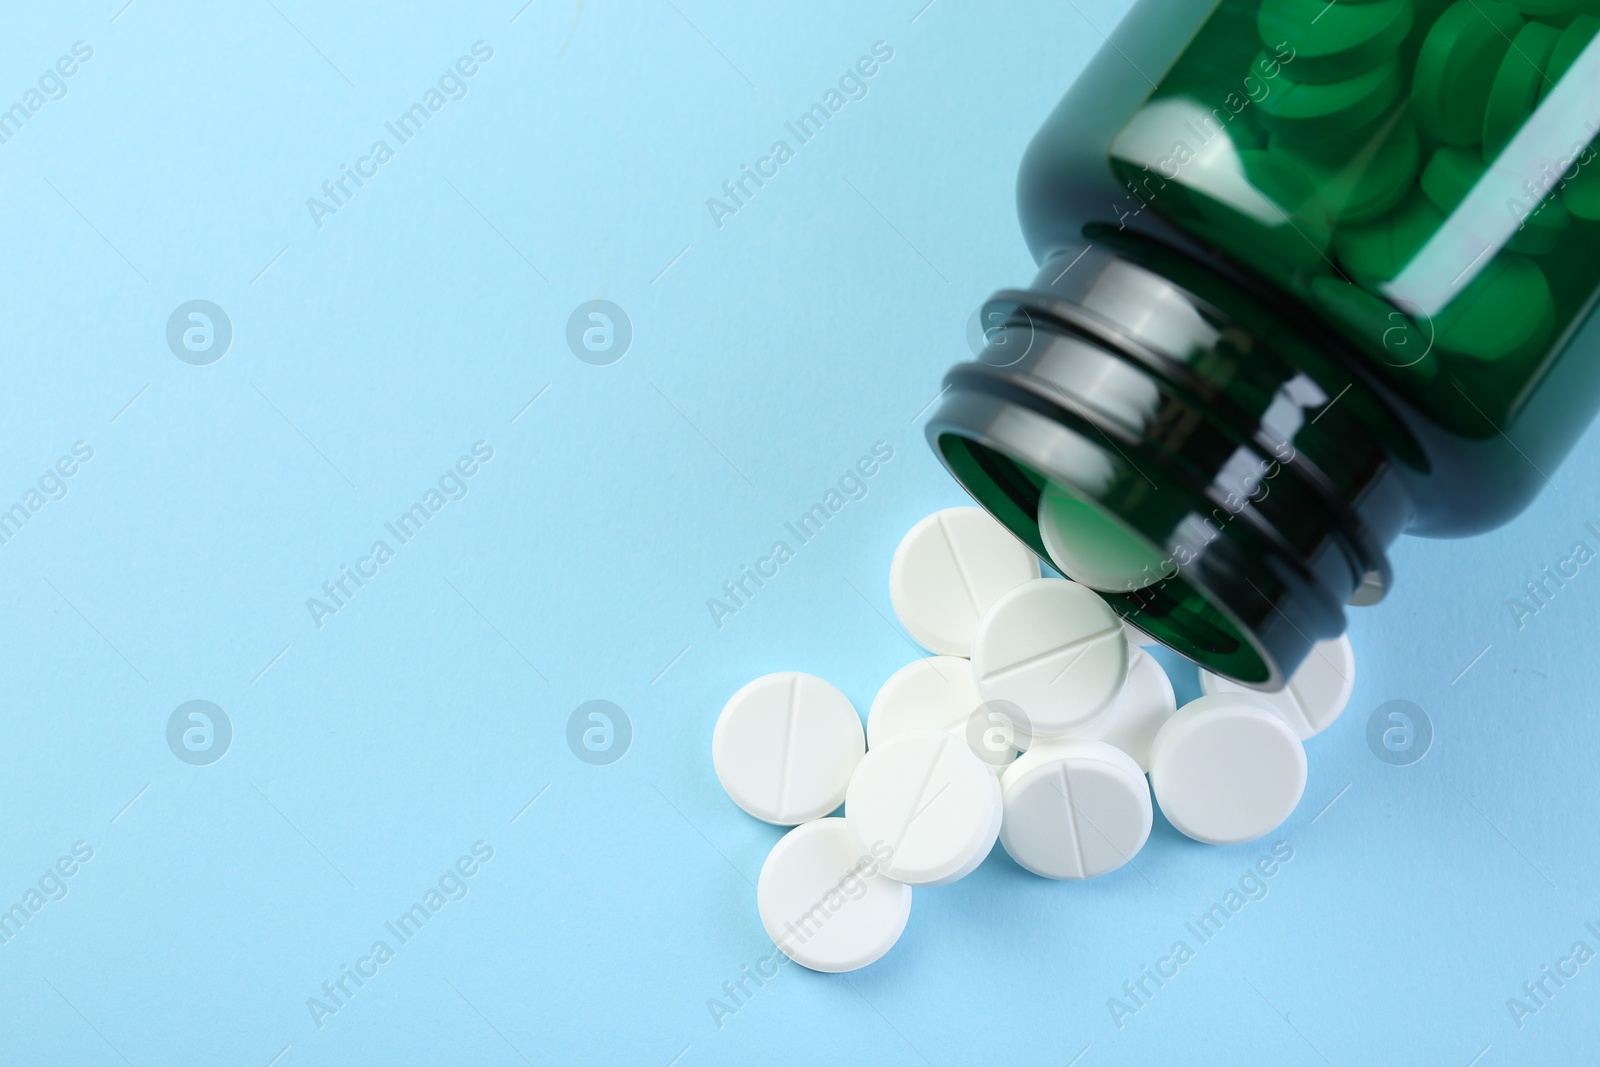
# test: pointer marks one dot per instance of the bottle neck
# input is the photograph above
(1226, 483)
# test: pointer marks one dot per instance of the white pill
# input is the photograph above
(785, 746)
(1225, 769)
(1144, 705)
(1054, 649)
(926, 797)
(827, 905)
(1092, 546)
(1074, 809)
(1317, 692)
(947, 572)
(937, 693)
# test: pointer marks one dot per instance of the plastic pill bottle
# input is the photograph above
(1312, 275)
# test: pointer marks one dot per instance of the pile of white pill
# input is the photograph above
(1039, 723)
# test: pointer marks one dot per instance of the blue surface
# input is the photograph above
(430, 712)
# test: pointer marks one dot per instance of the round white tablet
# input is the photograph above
(1074, 809)
(826, 904)
(1053, 648)
(1092, 546)
(785, 746)
(1317, 692)
(1225, 769)
(927, 798)
(947, 572)
(937, 693)
(1144, 705)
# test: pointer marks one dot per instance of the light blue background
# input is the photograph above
(426, 715)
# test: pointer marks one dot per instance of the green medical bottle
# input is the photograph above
(1312, 275)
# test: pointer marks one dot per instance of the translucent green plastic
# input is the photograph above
(1419, 174)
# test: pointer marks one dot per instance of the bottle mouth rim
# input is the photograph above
(1050, 312)
(1176, 607)
(1257, 550)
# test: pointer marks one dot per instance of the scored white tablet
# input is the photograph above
(937, 693)
(785, 746)
(925, 797)
(1074, 809)
(1226, 769)
(947, 572)
(1056, 650)
(1144, 705)
(1317, 692)
(826, 904)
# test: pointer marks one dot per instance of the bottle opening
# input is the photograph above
(1087, 541)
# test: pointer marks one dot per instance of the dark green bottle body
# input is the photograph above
(1306, 285)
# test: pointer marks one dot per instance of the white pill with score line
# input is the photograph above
(947, 572)
(1226, 769)
(1055, 649)
(785, 746)
(827, 904)
(1074, 809)
(928, 797)
(1317, 692)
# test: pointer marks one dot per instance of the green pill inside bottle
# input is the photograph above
(1573, 40)
(1312, 276)
(1334, 42)
(1455, 72)
(1364, 180)
(1517, 85)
